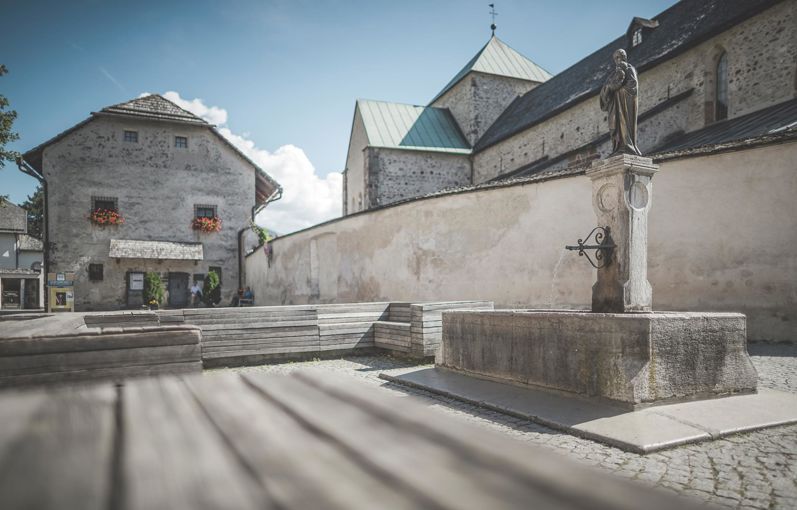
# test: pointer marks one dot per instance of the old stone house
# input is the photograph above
(712, 73)
(20, 261)
(128, 190)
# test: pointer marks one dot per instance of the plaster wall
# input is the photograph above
(722, 234)
(27, 258)
(354, 197)
(396, 174)
(762, 52)
(8, 251)
(157, 186)
(479, 98)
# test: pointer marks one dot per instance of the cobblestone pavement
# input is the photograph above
(751, 470)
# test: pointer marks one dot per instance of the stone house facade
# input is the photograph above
(159, 168)
(21, 279)
(701, 63)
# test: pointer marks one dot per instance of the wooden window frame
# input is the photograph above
(181, 142)
(130, 136)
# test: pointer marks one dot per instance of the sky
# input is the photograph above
(280, 78)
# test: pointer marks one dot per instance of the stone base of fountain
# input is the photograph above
(631, 360)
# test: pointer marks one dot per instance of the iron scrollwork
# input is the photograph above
(603, 247)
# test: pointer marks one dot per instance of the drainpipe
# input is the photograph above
(254, 212)
(25, 168)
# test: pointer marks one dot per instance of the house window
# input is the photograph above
(636, 38)
(131, 136)
(95, 272)
(204, 211)
(181, 142)
(105, 203)
(721, 101)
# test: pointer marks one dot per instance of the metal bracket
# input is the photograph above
(603, 247)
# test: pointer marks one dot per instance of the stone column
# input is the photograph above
(621, 191)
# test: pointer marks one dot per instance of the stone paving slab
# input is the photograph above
(643, 431)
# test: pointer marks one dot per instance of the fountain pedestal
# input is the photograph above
(621, 351)
(621, 191)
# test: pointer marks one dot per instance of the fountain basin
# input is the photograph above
(631, 360)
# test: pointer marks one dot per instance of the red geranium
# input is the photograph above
(106, 217)
(205, 224)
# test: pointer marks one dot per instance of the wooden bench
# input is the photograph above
(258, 441)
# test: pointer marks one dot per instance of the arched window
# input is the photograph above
(721, 92)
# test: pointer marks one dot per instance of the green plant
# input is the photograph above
(212, 294)
(211, 281)
(153, 288)
(263, 235)
(6, 134)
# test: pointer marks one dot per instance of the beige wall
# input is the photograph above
(723, 236)
(354, 199)
(761, 70)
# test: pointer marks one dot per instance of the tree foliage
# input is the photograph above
(34, 205)
(7, 118)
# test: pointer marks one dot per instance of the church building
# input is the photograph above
(714, 75)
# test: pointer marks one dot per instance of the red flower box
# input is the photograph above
(205, 224)
(106, 217)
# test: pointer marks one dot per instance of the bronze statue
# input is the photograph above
(619, 98)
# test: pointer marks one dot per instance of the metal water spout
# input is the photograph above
(604, 247)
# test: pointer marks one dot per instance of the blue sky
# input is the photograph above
(287, 73)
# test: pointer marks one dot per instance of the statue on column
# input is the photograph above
(619, 99)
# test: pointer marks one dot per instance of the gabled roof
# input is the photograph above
(29, 243)
(157, 107)
(13, 218)
(496, 57)
(404, 126)
(154, 106)
(682, 26)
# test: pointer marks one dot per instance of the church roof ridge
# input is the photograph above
(498, 58)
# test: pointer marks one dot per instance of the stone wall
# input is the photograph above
(761, 70)
(397, 174)
(478, 99)
(721, 231)
(157, 186)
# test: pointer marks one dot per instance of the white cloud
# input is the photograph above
(307, 197)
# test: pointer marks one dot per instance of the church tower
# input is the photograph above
(482, 90)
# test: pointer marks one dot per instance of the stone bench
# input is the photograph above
(79, 353)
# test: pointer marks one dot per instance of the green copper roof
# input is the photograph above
(499, 59)
(405, 126)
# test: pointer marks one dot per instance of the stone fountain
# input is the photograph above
(621, 372)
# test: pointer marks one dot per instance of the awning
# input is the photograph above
(160, 250)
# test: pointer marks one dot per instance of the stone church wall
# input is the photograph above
(478, 99)
(762, 52)
(397, 174)
(722, 233)
(157, 186)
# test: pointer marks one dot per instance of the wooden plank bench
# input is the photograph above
(259, 441)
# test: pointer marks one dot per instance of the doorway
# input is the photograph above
(178, 290)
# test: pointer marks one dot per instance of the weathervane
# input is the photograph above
(493, 14)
